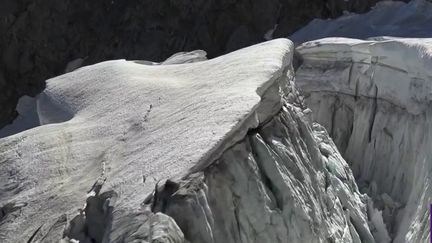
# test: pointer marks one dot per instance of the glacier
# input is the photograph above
(374, 97)
(324, 142)
(190, 150)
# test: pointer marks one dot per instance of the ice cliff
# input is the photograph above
(374, 98)
(192, 150)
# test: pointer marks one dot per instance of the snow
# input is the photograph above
(387, 18)
(27, 117)
(75, 64)
(374, 96)
(186, 57)
(275, 185)
(130, 125)
(245, 165)
(187, 150)
(269, 34)
(380, 228)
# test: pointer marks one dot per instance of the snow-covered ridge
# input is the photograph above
(209, 151)
(374, 98)
(128, 125)
(249, 88)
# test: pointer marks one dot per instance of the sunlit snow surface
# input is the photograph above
(134, 125)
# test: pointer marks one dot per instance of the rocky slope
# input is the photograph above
(374, 98)
(39, 38)
(210, 151)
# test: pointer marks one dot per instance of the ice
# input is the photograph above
(374, 97)
(118, 122)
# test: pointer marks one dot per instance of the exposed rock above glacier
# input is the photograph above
(211, 151)
(374, 98)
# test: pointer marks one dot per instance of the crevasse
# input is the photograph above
(374, 98)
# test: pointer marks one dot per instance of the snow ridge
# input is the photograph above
(123, 126)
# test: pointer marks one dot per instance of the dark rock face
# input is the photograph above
(38, 38)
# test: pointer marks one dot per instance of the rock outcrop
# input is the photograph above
(374, 97)
(38, 38)
(222, 150)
